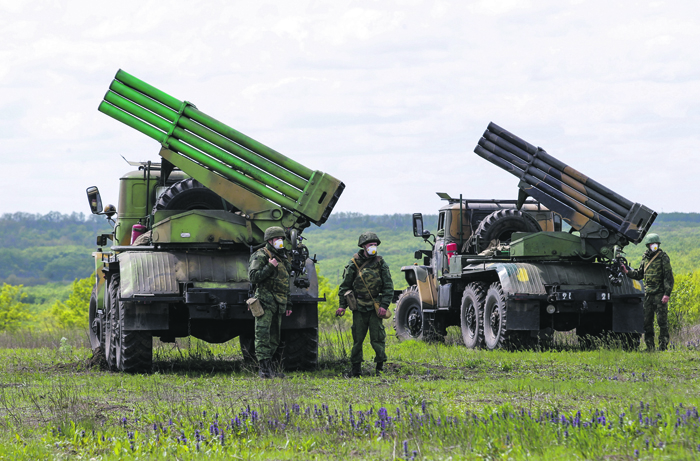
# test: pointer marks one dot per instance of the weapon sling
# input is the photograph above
(652, 260)
(376, 306)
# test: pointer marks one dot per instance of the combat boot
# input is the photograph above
(276, 370)
(265, 371)
(356, 371)
(380, 369)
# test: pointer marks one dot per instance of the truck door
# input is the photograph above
(438, 261)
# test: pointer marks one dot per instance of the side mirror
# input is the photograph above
(417, 225)
(94, 199)
(418, 230)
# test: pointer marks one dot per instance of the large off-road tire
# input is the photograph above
(409, 320)
(471, 315)
(97, 337)
(189, 194)
(127, 351)
(111, 324)
(495, 317)
(500, 225)
(299, 349)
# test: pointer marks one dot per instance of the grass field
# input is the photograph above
(434, 402)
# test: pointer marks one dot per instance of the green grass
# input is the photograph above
(442, 400)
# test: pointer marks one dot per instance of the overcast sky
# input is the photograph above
(389, 96)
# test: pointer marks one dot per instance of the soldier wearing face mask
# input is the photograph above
(367, 283)
(269, 271)
(658, 285)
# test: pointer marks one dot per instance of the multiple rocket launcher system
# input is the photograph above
(189, 135)
(586, 205)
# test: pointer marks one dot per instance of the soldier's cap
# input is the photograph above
(367, 237)
(273, 232)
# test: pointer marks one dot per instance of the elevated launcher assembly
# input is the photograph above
(603, 218)
(264, 185)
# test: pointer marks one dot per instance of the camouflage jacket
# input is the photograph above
(658, 278)
(271, 283)
(378, 278)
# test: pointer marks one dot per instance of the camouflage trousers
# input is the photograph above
(361, 322)
(267, 330)
(652, 305)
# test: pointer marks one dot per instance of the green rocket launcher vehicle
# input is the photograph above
(186, 227)
(508, 274)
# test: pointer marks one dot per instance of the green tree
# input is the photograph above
(326, 310)
(74, 311)
(13, 312)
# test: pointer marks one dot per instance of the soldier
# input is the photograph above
(658, 284)
(269, 271)
(367, 281)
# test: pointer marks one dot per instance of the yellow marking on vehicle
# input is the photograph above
(522, 275)
(637, 285)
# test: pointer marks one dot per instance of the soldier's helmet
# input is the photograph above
(652, 238)
(367, 237)
(273, 232)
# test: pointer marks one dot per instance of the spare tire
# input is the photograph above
(189, 194)
(500, 225)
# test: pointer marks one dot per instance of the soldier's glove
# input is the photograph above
(382, 312)
(340, 312)
(288, 312)
(665, 299)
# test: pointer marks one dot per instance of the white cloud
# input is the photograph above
(407, 86)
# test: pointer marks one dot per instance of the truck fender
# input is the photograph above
(422, 278)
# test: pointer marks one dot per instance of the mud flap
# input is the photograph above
(628, 316)
(522, 315)
(146, 316)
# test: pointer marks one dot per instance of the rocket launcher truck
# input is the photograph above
(507, 272)
(185, 227)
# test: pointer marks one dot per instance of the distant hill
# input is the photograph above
(37, 249)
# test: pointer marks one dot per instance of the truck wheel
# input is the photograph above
(471, 315)
(500, 225)
(495, 318)
(300, 349)
(128, 351)
(408, 318)
(411, 323)
(97, 339)
(189, 194)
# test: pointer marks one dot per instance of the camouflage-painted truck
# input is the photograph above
(506, 273)
(185, 229)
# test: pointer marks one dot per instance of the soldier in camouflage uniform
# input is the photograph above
(379, 288)
(658, 284)
(269, 271)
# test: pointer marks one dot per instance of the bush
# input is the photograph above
(75, 311)
(684, 306)
(326, 310)
(13, 312)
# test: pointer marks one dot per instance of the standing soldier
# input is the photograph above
(658, 285)
(368, 290)
(270, 271)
